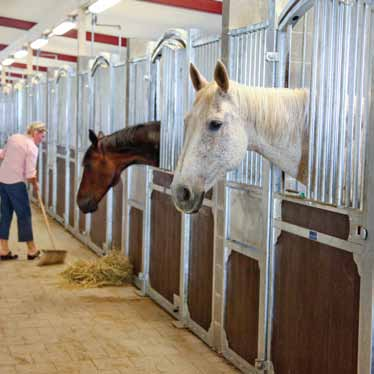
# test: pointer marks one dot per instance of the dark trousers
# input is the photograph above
(14, 197)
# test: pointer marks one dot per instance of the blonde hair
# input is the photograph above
(36, 126)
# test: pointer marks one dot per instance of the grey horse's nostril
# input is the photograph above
(183, 193)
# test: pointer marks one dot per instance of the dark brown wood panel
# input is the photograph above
(200, 277)
(72, 194)
(61, 175)
(316, 316)
(117, 215)
(165, 246)
(136, 239)
(50, 193)
(98, 224)
(162, 179)
(44, 178)
(242, 305)
(326, 222)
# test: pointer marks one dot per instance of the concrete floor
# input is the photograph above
(45, 328)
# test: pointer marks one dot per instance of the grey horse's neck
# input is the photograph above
(276, 123)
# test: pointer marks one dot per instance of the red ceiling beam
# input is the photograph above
(57, 56)
(16, 23)
(15, 75)
(208, 6)
(99, 38)
(3, 46)
(18, 65)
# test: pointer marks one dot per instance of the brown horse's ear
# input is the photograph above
(198, 81)
(100, 135)
(221, 77)
(93, 137)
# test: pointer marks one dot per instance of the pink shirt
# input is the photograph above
(19, 159)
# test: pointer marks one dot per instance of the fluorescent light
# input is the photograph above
(39, 43)
(64, 27)
(21, 53)
(8, 61)
(101, 5)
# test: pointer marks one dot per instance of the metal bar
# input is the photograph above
(321, 238)
(313, 99)
(249, 29)
(352, 142)
(336, 101)
(344, 89)
(319, 177)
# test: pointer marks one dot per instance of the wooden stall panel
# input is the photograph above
(44, 178)
(136, 239)
(50, 194)
(98, 224)
(316, 305)
(117, 216)
(61, 175)
(72, 194)
(324, 221)
(165, 246)
(316, 314)
(200, 277)
(242, 306)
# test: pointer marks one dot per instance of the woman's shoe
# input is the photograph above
(8, 256)
(34, 256)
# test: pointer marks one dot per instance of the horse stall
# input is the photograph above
(141, 108)
(102, 93)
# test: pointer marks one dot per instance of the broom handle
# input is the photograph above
(46, 221)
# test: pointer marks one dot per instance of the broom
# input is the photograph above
(50, 256)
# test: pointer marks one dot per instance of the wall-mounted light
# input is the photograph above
(21, 53)
(8, 61)
(39, 43)
(65, 26)
(101, 5)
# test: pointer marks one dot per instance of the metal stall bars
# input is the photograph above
(329, 224)
(104, 100)
(141, 104)
(197, 247)
(65, 143)
(243, 274)
(161, 222)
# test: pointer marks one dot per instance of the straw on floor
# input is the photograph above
(114, 269)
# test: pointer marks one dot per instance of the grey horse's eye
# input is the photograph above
(215, 125)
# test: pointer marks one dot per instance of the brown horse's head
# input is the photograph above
(109, 155)
(100, 172)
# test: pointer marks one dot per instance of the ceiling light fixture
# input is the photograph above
(101, 5)
(21, 53)
(65, 26)
(8, 61)
(39, 43)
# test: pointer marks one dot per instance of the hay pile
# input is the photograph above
(114, 269)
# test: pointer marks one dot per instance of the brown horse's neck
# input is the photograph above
(138, 144)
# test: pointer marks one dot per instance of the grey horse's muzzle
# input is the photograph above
(185, 199)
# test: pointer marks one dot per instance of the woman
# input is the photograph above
(19, 166)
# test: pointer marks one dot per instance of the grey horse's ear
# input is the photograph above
(221, 76)
(100, 135)
(93, 137)
(198, 81)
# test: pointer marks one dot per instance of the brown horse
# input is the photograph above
(109, 155)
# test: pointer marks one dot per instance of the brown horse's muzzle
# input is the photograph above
(186, 200)
(87, 204)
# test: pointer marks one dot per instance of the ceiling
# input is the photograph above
(24, 20)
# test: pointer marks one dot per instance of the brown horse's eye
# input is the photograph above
(215, 125)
